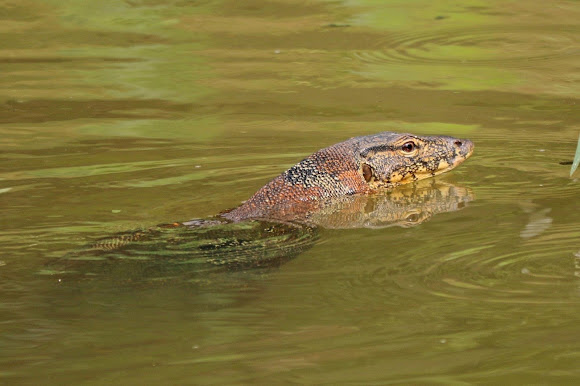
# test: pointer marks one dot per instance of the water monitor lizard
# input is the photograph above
(328, 189)
(359, 165)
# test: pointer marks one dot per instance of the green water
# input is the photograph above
(118, 115)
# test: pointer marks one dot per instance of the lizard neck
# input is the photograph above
(330, 172)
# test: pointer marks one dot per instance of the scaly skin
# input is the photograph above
(359, 165)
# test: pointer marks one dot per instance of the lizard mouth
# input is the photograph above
(463, 149)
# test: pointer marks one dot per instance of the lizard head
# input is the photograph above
(391, 159)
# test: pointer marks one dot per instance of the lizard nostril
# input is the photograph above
(458, 143)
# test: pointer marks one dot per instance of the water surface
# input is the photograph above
(117, 116)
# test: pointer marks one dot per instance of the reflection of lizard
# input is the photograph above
(366, 164)
(405, 206)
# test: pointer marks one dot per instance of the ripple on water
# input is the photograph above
(505, 264)
(513, 46)
(522, 276)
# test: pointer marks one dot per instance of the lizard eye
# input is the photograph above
(414, 217)
(408, 147)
